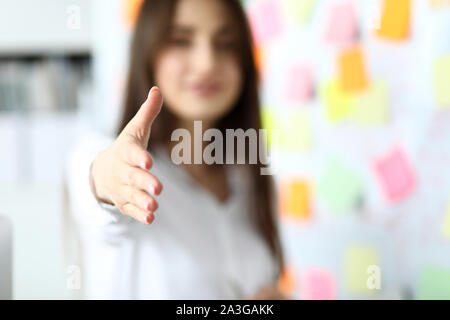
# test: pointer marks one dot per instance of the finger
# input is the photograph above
(141, 123)
(136, 156)
(143, 180)
(138, 214)
(140, 199)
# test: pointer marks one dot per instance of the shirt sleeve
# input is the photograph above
(83, 205)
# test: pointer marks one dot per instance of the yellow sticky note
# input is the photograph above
(446, 225)
(352, 72)
(270, 123)
(338, 104)
(358, 262)
(300, 11)
(441, 72)
(290, 131)
(296, 199)
(295, 133)
(395, 20)
(371, 105)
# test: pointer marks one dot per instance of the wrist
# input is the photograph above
(93, 186)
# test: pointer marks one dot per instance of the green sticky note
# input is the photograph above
(339, 187)
(338, 103)
(300, 10)
(360, 263)
(441, 74)
(434, 283)
(371, 105)
(446, 224)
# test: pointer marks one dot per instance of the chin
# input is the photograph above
(208, 112)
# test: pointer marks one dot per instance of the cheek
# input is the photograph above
(168, 72)
(234, 78)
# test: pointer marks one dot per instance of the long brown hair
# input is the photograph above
(152, 26)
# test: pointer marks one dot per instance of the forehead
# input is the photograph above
(202, 15)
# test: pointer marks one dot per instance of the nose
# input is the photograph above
(204, 58)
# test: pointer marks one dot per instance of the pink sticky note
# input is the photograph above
(264, 16)
(343, 24)
(396, 175)
(300, 87)
(317, 284)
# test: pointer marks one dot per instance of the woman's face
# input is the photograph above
(198, 71)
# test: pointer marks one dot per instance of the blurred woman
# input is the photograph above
(153, 229)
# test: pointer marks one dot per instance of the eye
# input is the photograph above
(225, 44)
(180, 42)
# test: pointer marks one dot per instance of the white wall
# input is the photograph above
(29, 25)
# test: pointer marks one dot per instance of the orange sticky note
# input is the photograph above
(295, 199)
(286, 283)
(258, 58)
(132, 8)
(395, 20)
(352, 73)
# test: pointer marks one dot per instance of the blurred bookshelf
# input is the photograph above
(40, 96)
(42, 83)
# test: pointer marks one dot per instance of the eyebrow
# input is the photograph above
(226, 29)
(181, 29)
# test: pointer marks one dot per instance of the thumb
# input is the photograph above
(140, 126)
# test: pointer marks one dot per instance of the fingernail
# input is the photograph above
(151, 207)
(149, 219)
(151, 90)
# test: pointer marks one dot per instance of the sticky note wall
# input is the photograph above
(359, 92)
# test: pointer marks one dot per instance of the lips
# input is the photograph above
(206, 88)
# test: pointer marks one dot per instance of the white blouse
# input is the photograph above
(196, 248)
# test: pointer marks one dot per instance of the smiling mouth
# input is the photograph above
(206, 89)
